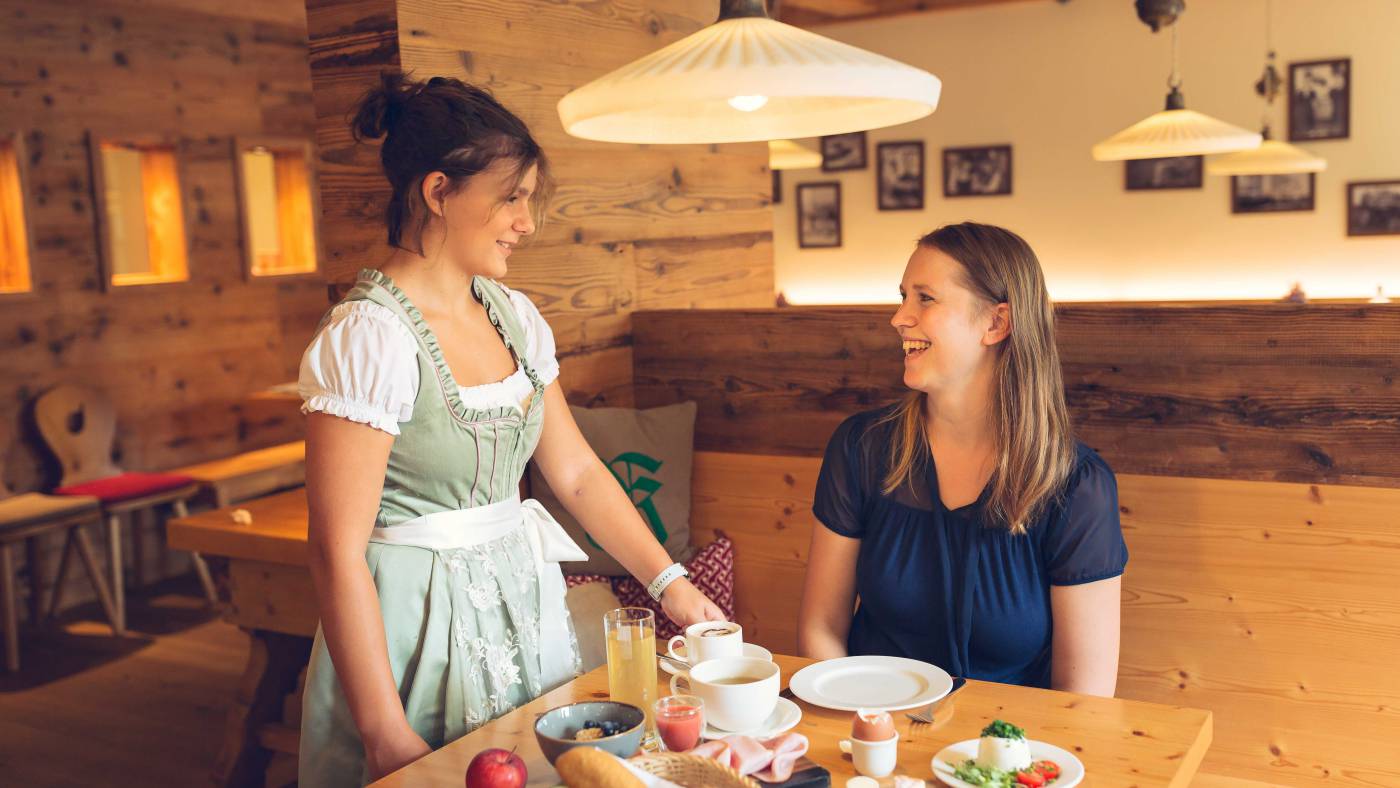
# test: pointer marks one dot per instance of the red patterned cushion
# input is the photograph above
(711, 570)
(125, 486)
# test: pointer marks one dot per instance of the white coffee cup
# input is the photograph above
(700, 647)
(739, 692)
(873, 758)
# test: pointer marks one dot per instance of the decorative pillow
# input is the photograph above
(711, 570)
(650, 453)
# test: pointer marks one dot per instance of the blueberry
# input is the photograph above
(590, 724)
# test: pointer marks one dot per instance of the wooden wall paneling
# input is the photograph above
(176, 359)
(1269, 392)
(1273, 605)
(623, 215)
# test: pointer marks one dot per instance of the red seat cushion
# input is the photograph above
(711, 570)
(125, 486)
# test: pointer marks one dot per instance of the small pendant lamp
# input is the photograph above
(1175, 131)
(788, 155)
(748, 78)
(1273, 157)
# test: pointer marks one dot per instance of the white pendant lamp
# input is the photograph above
(1273, 157)
(1175, 131)
(748, 78)
(789, 155)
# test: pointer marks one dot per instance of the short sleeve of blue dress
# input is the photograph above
(938, 584)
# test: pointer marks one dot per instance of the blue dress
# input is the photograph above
(940, 586)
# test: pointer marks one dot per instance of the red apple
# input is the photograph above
(496, 768)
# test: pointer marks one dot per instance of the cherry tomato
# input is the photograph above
(1050, 769)
(1031, 779)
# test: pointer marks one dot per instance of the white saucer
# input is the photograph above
(750, 650)
(947, 759)
(784, 718)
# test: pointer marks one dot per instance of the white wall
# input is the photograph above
(1053, 79)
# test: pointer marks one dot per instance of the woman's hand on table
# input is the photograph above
(387, 754)
(686, 605)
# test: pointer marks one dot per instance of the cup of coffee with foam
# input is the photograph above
(708, 640)
(740, 693)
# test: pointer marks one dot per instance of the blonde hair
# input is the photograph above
(1030, 422)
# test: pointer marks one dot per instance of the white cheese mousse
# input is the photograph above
(1010, 755)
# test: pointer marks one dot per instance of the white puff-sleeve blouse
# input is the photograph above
(363, 366)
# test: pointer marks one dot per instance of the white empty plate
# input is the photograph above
(947, 759)
(871, 682)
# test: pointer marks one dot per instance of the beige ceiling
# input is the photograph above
(809, 13)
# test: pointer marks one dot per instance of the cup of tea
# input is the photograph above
(708, 640)
(739, 692)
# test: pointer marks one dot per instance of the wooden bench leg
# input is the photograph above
(201, 569)
(275, 660)
(78, 537)
(114, 555)
(7, 602)
(33, 558)
(57, 598)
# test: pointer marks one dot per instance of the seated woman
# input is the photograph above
(977, 533)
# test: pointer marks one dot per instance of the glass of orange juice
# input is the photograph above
(631, 643)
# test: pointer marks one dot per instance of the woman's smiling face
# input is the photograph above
(487, 218)
(947, 332)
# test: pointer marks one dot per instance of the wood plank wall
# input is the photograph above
(1271, 604)
(1269, 392)
(631, 227)
(175, 358)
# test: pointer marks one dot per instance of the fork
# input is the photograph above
(926, 717)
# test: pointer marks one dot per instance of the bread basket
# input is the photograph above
(692, 771)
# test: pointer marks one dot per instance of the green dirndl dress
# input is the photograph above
(468, 578)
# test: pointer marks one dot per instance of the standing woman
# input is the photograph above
(976, 532)
(427, 389)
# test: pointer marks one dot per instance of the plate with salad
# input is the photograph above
(1004, 758)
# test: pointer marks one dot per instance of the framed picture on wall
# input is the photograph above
(819, 215)
(1170, 172)
(843, 152)
(900, 169)
(1272, 193)
(1373, 208)
(977, 171)
(1319, 100)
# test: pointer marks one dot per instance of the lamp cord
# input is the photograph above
(1174, 81)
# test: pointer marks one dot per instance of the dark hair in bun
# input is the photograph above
(441, 125)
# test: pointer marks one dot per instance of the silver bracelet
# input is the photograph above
(668, 576)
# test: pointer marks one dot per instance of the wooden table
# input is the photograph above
(272, 598)
(1121, 742)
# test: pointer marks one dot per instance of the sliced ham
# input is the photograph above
(770, 761)
(747, 755)
(786, 750)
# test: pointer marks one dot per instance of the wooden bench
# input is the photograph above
(1274, 605)
(250, 474)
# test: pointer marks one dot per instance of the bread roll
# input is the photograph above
(588, 767)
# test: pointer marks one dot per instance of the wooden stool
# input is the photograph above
(79, 426)
(251, 474)
(29, 517)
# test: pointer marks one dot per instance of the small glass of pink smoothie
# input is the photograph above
(680, 720)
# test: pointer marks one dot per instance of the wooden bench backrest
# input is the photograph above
(1276, 606)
